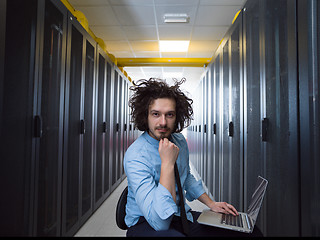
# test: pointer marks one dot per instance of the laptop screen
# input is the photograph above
(257, 198)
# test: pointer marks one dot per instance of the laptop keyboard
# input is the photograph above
(232, 220)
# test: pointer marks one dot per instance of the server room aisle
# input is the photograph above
(103, 222)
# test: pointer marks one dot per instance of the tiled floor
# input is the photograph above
(103, 224)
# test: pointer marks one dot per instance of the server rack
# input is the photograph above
(205, 126)
(254, 159)
(226, 122)
(209, 166)
(122, 127)
(78, 148)
(279, 122)
(309, 129)
(102, 125)
(109, 125)
(217, 135)
(12, 160)
(56, 120)
(3, 7)
(115, 129)
(48, 121)
(32, 118)
(126, 119)
(255, 113)
(267, 120)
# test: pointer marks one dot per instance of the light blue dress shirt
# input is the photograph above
(146, 196)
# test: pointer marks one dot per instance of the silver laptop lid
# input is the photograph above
(257, 198)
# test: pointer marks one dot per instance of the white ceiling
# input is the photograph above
(132, 29)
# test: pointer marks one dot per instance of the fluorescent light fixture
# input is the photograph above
(173, 46)
(176, 18)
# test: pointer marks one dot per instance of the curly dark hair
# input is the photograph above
(146, 91)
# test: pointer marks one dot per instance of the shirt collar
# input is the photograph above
(150, 139)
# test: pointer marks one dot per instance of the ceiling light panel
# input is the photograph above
(187, 10)
(176, 18)
(173, 46)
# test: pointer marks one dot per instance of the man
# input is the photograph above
(162, 112)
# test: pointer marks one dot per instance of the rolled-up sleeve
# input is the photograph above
(154, 200)
(163, 208)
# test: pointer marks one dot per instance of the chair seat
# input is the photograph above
(121, 210)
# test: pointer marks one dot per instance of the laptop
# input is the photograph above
(244, 222)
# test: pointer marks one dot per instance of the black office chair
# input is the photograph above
(121, 210)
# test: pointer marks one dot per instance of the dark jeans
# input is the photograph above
(143, 229)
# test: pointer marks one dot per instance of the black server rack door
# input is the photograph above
(217, 127)
(309, 102)
(73, 129)
(196, 143)
(125, 124)
(51, 100)
(101, 129)
(199, 137)
(87, 161)
(235, 123)
(200, 128)
(17, 111)
(253, 159)
(195, 134)
(3, 16)
(205, 129)
(120, 130)
(281, 113)
(254, 102)
(115, 128)
(109, 132)
(225, 167)
(210, 129)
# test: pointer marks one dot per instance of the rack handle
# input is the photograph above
(82, 126)
(214, 128)
(104, 127)
(37, 126)
(231, 129)
(264, 130)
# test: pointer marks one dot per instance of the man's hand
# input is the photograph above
(220, 207)
(168, 153)
(223, 207)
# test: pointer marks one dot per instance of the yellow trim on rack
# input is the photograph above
(163, 62)
(220, 42)
(85, 24)
(235, 17)
(82, 19)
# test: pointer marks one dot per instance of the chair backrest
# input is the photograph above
(121, 210)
